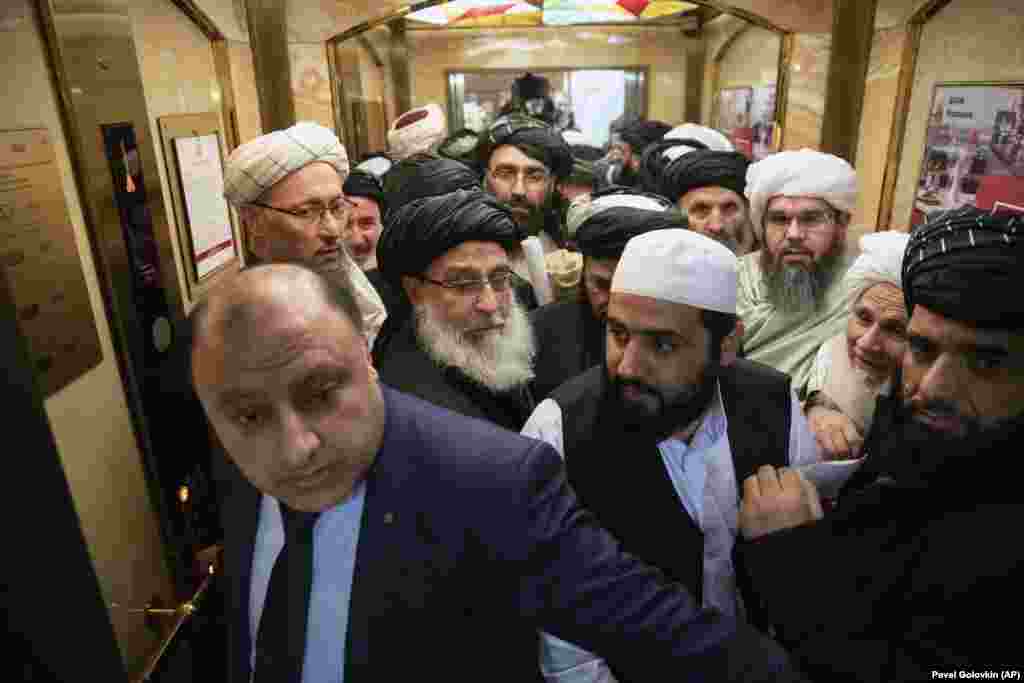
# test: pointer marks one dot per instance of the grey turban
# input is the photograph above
(261, 163)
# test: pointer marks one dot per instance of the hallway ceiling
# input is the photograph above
(314, 21)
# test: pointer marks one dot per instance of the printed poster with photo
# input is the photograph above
(762, 122)
(734, 117)
(747, 116)
(974, 150)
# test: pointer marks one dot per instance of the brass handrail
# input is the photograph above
(182, 614)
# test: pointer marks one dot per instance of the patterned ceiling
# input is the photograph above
(313, 21)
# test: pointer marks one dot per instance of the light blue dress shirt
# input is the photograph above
(335, 537)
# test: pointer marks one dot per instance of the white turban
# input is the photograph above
(584, 207)
(424, 131)
(805, 173)
(263, 162)
(575, 137)
(376, 166)
(713, 139)
(680, 266)
(880, 260)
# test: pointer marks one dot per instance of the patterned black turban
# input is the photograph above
(968, 265)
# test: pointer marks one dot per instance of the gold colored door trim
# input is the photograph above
(905, 86)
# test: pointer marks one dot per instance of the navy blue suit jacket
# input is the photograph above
(471, 540)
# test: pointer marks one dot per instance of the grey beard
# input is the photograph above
(793, 289)
(499, 362)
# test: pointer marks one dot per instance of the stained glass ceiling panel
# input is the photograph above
(481, 13)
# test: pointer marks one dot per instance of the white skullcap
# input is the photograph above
(263, 162)
(376, 166)
(424, 134)
(880, 260)
(713, 139)
(680, 266)
(574, 137)
(803, 173)
(584, 207)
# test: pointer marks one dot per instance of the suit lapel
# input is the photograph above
(241, 518)
(375, 573)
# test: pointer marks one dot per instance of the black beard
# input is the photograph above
(919, 457)
(669, 417)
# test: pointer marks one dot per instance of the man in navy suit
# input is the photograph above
(442, 543)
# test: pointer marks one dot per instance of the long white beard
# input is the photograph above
(499, 361)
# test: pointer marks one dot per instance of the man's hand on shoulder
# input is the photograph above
(777, 499)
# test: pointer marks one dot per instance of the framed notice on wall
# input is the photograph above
(974, 149)
(202, 187)
(39, 258)
(194, 154)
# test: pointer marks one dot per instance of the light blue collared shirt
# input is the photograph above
(335, 537)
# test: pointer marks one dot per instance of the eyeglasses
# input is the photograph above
(532, 177)
(812, 222)
(499, 282)
(314, 214)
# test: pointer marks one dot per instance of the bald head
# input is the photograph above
(250, 301)
(284, 375)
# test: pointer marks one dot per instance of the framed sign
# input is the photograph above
(39, 258)
(202, 187)
(194, 153)
(974, 149)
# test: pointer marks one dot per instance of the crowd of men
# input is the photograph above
(671, 427)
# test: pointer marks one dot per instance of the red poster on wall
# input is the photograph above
(974, 152)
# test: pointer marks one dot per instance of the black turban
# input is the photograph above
(418, 232)
(654, 161)
(426, 175)
(362, 184)
(641, 133)
(604, 235)
(705, 168)
(584, 157)
(528, 87)
(586, 152)
(968, 265)
(533, 137)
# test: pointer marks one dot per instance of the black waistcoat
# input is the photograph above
(569, 341)
(620, 476)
